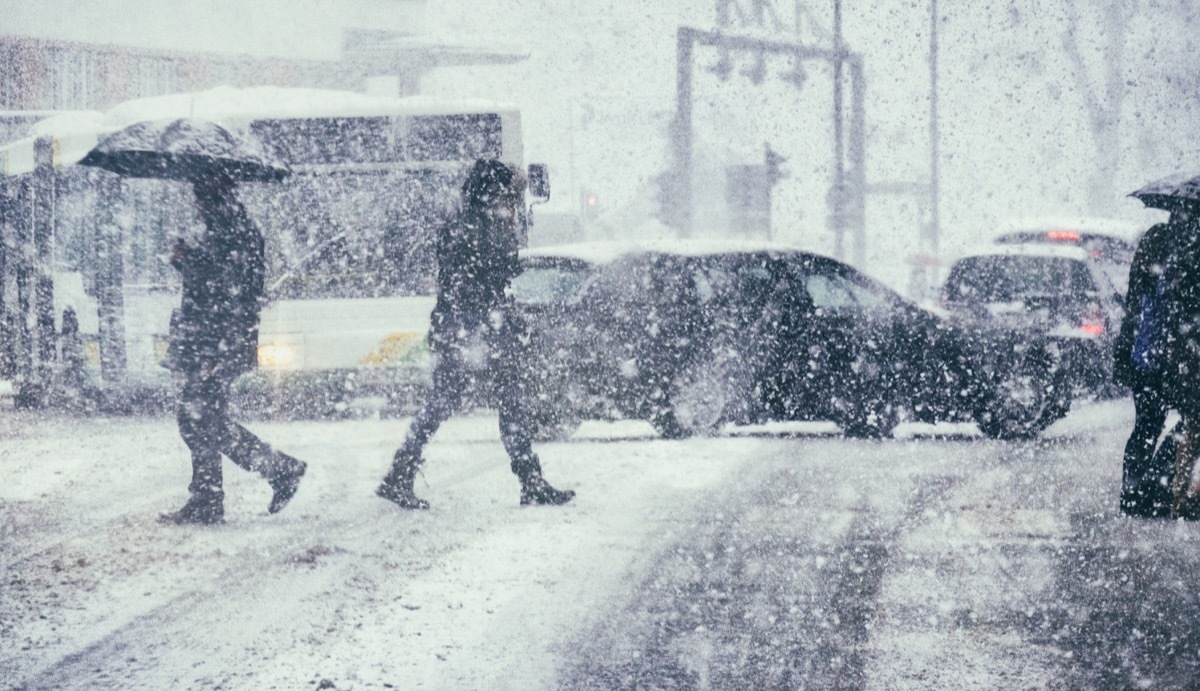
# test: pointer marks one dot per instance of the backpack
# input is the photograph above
(1150, 339)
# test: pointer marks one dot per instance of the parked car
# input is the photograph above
(690, 335)
(1049, 314)
(1109, 243)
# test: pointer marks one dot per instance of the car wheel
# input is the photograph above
(875, 419)
(1026, 398)
(697, 399)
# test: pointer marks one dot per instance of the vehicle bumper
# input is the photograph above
(319, 393)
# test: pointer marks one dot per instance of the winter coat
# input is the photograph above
(1149, 260)
(216, 326)
(477, 258)
(1181, 380)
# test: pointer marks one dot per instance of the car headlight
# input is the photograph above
(276, 355)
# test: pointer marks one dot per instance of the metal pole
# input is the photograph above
(857, 189)
(839, 173)
(683, 131)
(44, 205)
(934, 173)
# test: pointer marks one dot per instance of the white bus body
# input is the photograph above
(349, 234)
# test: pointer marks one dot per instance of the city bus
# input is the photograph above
(349, 236)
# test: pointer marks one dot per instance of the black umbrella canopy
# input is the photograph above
(185, 149)
(1171, 192)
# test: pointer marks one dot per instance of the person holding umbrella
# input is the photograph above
(1159, 345)
(215, 340)
(214, 333)
(1144, 492)
(475, 332)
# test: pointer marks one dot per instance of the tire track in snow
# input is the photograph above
(778, 590)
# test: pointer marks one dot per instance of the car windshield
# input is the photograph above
(1008, 279)
(549, 283)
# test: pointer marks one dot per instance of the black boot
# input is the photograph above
(205, 507)
(285, 482)
(397, 486)
(537, 492)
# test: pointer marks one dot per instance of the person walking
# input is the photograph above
(474, 332)
(214, 339)
(1139, 365)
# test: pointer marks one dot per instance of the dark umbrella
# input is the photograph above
(185, 149)
(1171, 192)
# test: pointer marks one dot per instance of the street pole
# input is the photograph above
(934, 173)
(683, 131)
(839, 171)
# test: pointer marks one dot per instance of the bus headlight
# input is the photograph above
(276, 355)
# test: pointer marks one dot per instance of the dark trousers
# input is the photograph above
(1142, 484)
(203, 416)
(453, 375)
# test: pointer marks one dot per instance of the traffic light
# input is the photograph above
(591, 205)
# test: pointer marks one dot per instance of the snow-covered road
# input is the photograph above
(782, 557)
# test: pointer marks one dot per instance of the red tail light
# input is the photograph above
(1062, 235)
(1093, 323)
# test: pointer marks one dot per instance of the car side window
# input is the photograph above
(829, 293)
(713, 282)
(870, 297)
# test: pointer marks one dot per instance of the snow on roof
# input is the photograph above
(1028, 250)
(75, 133)
(1113, 227)
(236, 107)
(603, 252)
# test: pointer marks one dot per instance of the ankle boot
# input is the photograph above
(285, 483)
(202, 508)
(397, 486)
(537, 492)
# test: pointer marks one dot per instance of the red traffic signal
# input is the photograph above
(591, 204)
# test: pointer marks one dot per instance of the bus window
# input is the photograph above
(356, 236)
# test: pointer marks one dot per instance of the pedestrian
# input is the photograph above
(476, 333)
(1145, 489)
(1181, 381)
(214, 339)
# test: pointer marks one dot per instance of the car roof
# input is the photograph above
(1120, 229)
(604, 252)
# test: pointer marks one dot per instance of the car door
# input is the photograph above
(820, 358)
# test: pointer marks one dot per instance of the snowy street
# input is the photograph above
(781, 557)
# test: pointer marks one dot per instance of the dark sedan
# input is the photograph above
(691, 335)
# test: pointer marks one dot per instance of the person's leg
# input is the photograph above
(512, 396)
(248, 452)
(1182, 503)
(280, 470)
(449, 380)
(199, 413)
(1139, 494)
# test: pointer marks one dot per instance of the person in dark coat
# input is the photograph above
(1145, 489)
(214, 339)
(474, 332)
(1181, 380)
